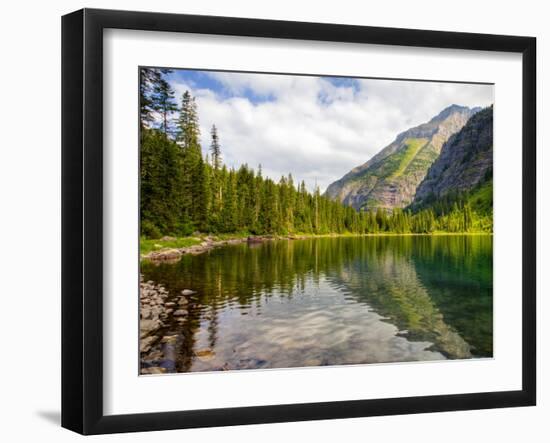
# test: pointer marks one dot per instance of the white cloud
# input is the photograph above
(312, 128)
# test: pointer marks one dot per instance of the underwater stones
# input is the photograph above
(204, 354)
(153, 370)
(146, 343)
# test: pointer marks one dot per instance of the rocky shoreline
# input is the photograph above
(209, 243)
(158, 345)
(165, 330)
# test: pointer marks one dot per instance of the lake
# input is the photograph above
(331, 301)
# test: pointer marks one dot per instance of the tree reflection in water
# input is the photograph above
(331, 301)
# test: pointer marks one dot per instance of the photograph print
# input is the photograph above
(291, 221)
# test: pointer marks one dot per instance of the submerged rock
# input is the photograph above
(146, 313)
(169, 339)
(146, 343)
(152, 313)
(205, 354)
(165, 255)
(153, 370)
(148, 326)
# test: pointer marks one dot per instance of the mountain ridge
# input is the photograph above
(390, 178)
(465, 161)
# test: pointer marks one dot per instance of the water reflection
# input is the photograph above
(332, 301)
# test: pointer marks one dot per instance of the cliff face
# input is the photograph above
(466, 160)
(390, 178)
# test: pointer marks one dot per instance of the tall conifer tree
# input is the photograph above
(215, 148)
(164, 103)
(194, 198)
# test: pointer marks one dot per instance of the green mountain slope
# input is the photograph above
(465, 166)
(390, 178)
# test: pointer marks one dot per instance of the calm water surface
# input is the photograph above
(333, 301)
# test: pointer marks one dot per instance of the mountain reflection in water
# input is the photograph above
(331, 301)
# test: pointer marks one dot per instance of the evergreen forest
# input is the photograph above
(187, 188)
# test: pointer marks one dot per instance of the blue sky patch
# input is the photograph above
(206, 80)
(344, 82)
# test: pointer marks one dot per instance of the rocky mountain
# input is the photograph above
(390, 178)
(466, 160)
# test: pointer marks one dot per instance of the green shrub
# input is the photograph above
(149, 230)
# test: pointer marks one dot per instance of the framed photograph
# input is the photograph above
(269, 221)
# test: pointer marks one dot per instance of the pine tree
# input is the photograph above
(148, 77)
(229, 210)
(150, 98)
(216, 181)
(468, 217)
(200, 196)
(215, 148)
(164, 103)
(269, 211)
(194, 194)
(381, 219)
(316, 196)
(188, 122)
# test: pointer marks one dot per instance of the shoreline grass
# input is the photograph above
(152, 245)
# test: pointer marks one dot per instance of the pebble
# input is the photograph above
(169, 339)
(146, 343)
(155, 355)
(153, 370)
(204, 354)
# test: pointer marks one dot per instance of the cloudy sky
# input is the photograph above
(317, 128)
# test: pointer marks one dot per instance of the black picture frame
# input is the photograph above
(82, 218)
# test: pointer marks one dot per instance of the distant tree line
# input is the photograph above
(183, 191)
